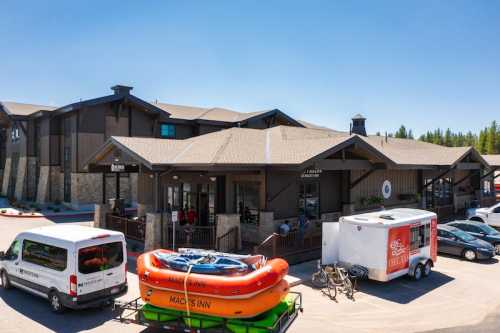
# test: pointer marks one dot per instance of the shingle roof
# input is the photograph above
(277, 145)
(414, 152)
(23, 109)
(493, 160)
(198, 113)
(281, 145)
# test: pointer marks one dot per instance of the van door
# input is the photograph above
(101, 266)
(11, 261)
(90, 277)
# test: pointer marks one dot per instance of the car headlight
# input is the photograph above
(485, 249)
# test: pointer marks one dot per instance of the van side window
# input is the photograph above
(101, 257)
(420, 236)
(13, 251)
(44, 255)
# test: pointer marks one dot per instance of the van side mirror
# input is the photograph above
(2, 255)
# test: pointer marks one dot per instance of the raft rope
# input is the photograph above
(186, 295)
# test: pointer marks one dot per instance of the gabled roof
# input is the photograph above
(280, 145)
(218, 114)
(24, 109)
(493, 160)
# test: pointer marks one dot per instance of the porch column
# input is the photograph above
(117, 185)
(152, 238)
(104, 188)
(101, 210)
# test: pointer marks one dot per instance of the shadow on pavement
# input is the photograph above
(490, 261)
(404, 290)
(37, 309)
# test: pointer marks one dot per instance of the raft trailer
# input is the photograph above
(131, 313)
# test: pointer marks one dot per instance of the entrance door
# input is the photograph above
(203, 209)
(67, 174)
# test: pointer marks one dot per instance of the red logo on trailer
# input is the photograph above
(398, 249)
(434, 248)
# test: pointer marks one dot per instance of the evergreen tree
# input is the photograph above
(448, 140)
(491, 137)
(481, 144)
(401, 133)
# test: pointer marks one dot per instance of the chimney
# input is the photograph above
(358, 125)
(121, 90)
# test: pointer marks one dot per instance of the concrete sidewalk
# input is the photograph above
(300, 273)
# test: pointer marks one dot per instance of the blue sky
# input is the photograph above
(419, 63)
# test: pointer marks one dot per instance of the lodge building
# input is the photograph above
(230, 169)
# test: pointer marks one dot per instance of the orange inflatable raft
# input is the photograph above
(212, 306)
(154, 275)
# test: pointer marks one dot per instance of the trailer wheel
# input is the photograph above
(427, 268)
(418, 273)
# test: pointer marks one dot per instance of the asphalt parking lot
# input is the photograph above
(458, 297)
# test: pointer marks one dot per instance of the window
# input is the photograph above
(13, 251)
(420, 236)
(309, 200)
(167, 131)
(248, 201)
(14, 134)
(487, 188)
(439, 193)
(98, 258)
(44, 255)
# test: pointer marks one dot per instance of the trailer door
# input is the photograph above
(330, 244)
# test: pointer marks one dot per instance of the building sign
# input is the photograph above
(398, 249)
(117, 167)
(311, 173)
(386, 189)
(175, 216)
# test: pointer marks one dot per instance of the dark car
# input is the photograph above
(480, 230)
(452, 240)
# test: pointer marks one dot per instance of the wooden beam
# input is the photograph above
(465, 178)
(361, 178)
(438, 177)
(468, 166)
(490, 173)
(333, 164)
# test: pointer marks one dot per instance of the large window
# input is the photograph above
(420, 236)
(167, 131)
(247, 201)
(439, 193)
(309, 200)
(100, 257)
(45, 255)
(487, 188)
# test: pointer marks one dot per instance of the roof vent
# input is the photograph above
(121, 90)
(358, 125)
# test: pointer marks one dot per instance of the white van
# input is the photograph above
(73, 266)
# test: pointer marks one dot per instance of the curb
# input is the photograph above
(27, 215)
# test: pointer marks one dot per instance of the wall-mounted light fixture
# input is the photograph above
(213, 179)
(175, 177)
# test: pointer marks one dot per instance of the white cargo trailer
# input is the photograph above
(388, 243)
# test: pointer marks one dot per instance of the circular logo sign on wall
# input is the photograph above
(386, 189)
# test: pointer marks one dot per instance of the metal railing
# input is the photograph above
(203, 237)
(132, 228)
(292, 244)
(229, 241)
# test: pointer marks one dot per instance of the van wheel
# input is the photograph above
(418, 273)
(55, 302)
(470, 255)
(427, 268)
(5, 280)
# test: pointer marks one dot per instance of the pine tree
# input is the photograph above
(448, 140)
(401, 133)
(491, 137)
(410, 134)
(481, 144)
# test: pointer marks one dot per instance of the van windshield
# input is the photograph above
(100, 257)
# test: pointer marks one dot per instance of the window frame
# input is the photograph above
(119, 245)
(171, 131)
(420, 236)
(25, 259)
(302, 209)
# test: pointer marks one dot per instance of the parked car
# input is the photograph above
(454, 241)
(72, 266)
(489, 215)
(481, 231)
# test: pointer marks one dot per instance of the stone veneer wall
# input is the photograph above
(31, 184)
(86, 189)
(42, 193)
(50, 179)
(6, 176)
(20, 190)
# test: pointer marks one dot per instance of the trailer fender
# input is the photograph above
(422, 261)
